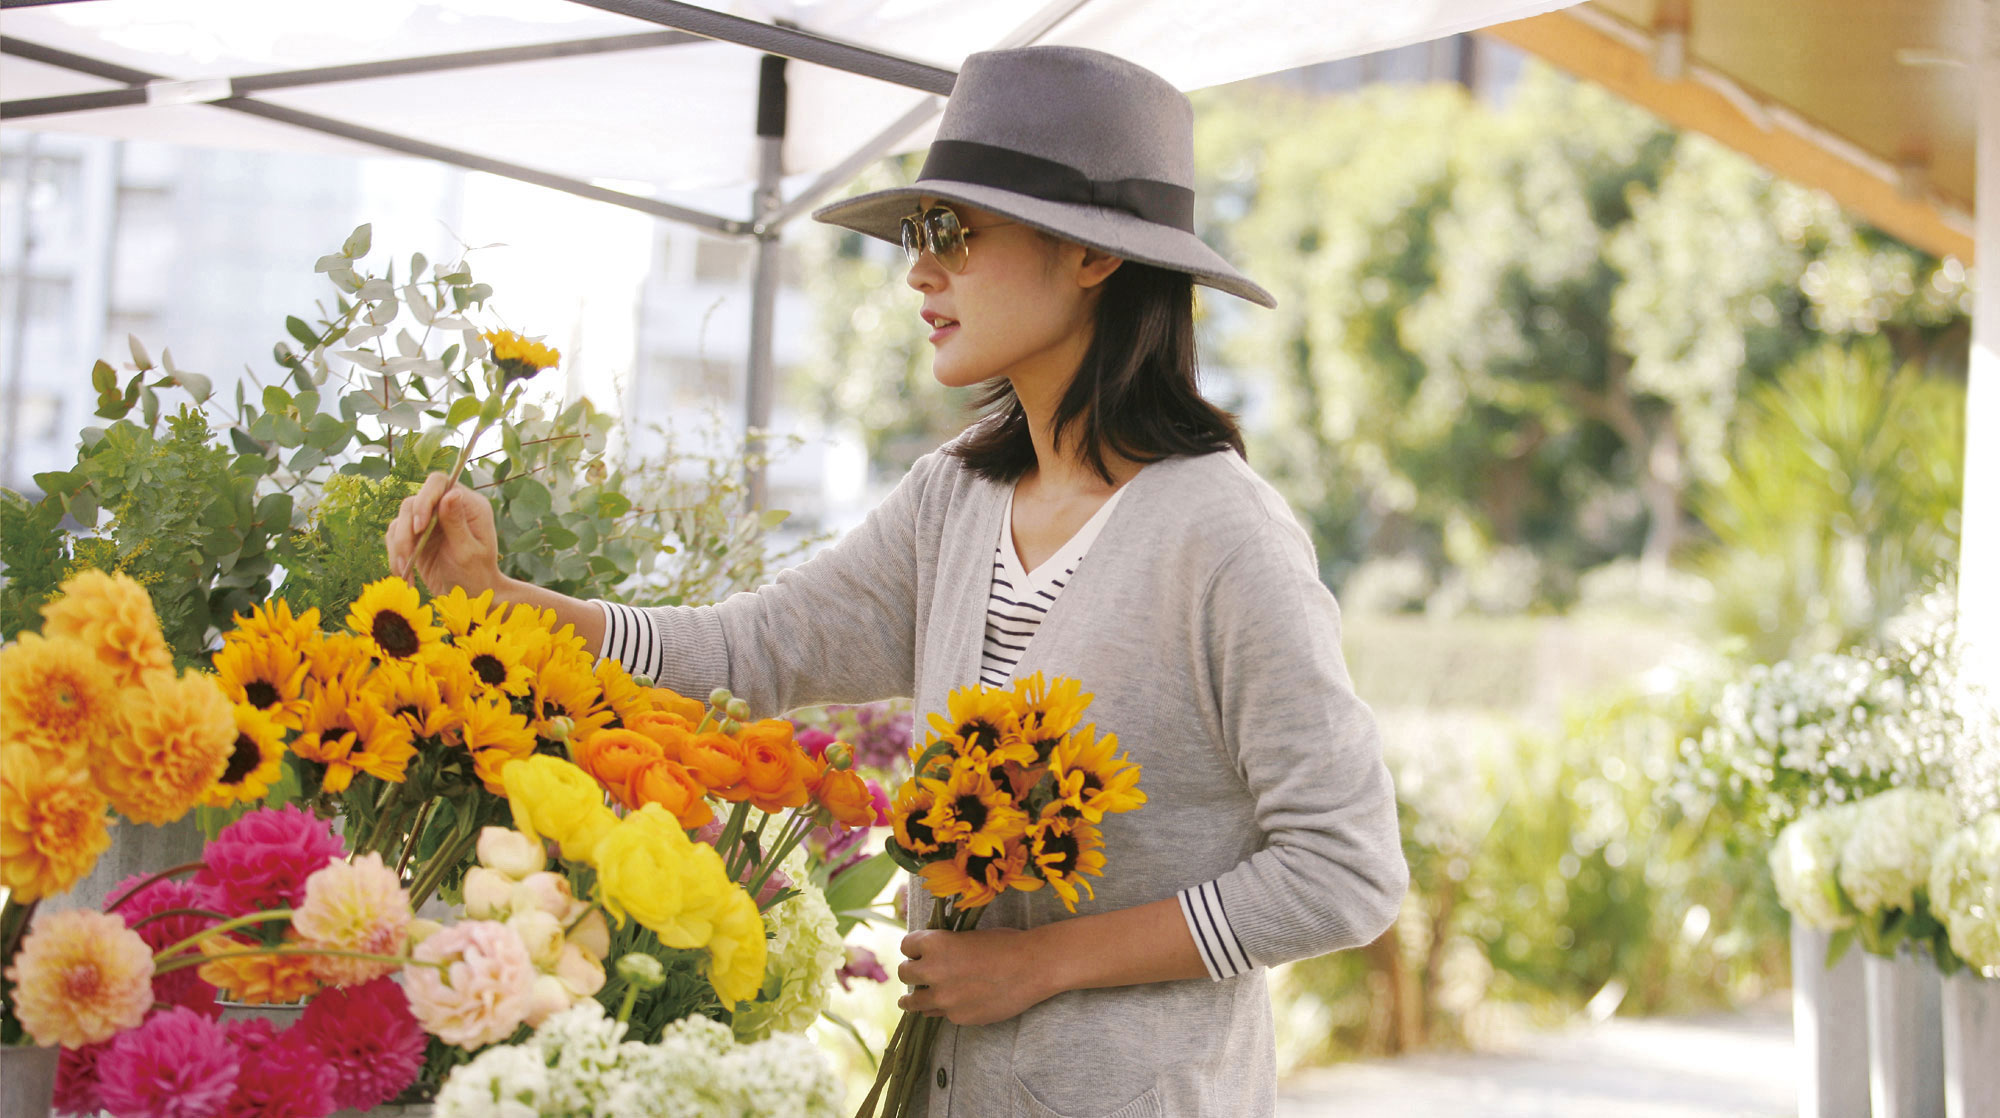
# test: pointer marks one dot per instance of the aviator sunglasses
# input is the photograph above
(939, 230)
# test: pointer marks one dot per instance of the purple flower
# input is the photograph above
(861, 963)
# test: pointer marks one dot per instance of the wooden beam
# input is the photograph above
(1583, 50)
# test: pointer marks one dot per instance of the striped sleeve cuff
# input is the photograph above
(1221, 951)
(630, 638)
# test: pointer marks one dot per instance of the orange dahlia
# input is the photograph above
(113, 615)
(256, 979)
(81, 977)
(180, 733)
(52, 823)
(59, 693)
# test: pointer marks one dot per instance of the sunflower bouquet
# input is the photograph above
(1008, 791)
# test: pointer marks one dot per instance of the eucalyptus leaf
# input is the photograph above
(330, 262)
(419, 306)
(404, 415)
(139, 357)
(362, 358)
(384, 312)
(358, 242)
(103, 377)
(407, 345)
(367, 332)
(297, 328)
(462, 409)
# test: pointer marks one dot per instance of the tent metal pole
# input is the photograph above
(360, 71)
(1979, 532)
(760, 383)
(314, 123)
(783, 41)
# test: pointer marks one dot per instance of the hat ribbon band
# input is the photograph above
(1162, 203)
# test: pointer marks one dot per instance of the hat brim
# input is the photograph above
(880, 213)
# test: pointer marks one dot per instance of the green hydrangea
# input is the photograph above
(1804, 861)
(1887, 856)
(805, 951)
(1965, 892)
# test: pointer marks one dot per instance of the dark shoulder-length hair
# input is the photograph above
(1134, 394)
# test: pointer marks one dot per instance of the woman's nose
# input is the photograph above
(926, 274)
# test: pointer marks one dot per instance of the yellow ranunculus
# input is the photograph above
(640, 866)
(737, 952)
(554, 799)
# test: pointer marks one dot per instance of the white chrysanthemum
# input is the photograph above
(1965, 892)
(786, 1074)
(584, 1051)
(502, 1082)
(805, 951)
(1887, 856)
(1803, 863)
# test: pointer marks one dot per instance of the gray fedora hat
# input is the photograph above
(1076, 142)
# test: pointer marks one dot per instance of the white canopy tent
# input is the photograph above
(592, 96)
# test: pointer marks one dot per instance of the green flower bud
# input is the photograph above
(644, 681)
(642, 971)
(719, 697)
(559, 728)
(739, 710)
(840, 755)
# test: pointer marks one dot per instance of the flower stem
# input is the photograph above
(416, 832)
(730, 832)
(155, 879)
(795, 834)
(631, 999)
(226, 926)
(441, 864)
(166, 912)
(13, 923)
(185, 961)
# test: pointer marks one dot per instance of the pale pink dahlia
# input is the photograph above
(81, 977)
(484, 990)
(360, 907)
(370, 1039)
(180, 987)
(178, 1064)
(262, 860)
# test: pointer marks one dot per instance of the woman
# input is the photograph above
(1101, 524)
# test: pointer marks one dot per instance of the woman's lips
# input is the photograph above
(941, 332)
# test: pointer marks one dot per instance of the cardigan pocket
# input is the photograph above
(1026, 1105)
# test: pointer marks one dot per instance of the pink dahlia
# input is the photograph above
(482, 992)
(369, 1037)
(813, 740)
(76, 1080)
(262, 860)
(178, 1064)
(184, 986)
(359, 907)
(283, 1077)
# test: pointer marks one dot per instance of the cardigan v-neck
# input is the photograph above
(1212, 651)
(1019, 601)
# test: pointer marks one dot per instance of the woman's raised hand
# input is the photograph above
(463, 551)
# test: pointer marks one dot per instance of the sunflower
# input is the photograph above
(336, 656)
(969, 810)
(179, 735)
(1048, 712)
(408, 690)
(389, 615)
(534, 632)
(519, 358)
(913, 802)
(496, 737)
(496, 662)
(1090, 780)
(456, 681)
(622, 693)
(348, 732)
(567, 689)
(60, 693)
(255, 763)
(273, 621)
(1062, 849)
(268, 673)
(461, 615)
(113, 615)
(978, 879)
(983, 726)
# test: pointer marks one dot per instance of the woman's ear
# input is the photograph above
(1096, 267)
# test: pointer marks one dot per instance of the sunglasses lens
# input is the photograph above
(913, 240)
(947, 238)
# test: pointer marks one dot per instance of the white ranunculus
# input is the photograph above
(1887, 856)
(1803, 864)
(1965, 891)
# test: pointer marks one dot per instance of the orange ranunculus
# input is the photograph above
(669, 784)
(668, 701)
(613, 755)
(775, 775)
(846, 795)
(715, 759)
(671, 731)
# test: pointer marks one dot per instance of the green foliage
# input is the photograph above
(1840, 503)
(298, 478)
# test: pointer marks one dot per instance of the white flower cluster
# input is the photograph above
(1804, 862)
(1887, 855)
(1835, 728)
(805, 950)
(578, 1063)
(1965, 892)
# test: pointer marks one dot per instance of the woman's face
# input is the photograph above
(1021, 308)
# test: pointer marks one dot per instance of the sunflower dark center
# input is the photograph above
(260, 694)
(920, 832)
(1045, 748)
(490, 670)
(979, 865)
(410, 710)
(983, 730)
(1065, 847)
(394, 633)
(242, 761)
(971, 811)
(553, 709)
(1092, 785)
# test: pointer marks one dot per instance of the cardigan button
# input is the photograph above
(941, 1079)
